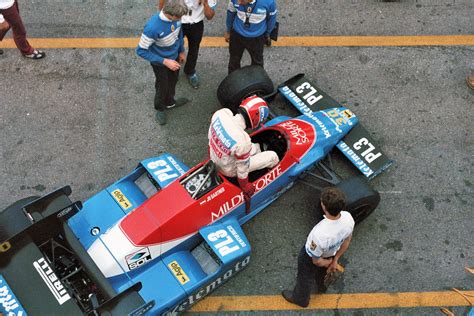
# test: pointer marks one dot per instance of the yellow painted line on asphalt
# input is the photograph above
(333, 301)
(284, 41)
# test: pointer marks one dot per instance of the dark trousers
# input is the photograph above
(308, 275)
(12, 16)
(193, 32)
(165, 86)
(239, 43)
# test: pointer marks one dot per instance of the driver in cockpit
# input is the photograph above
(231, 148)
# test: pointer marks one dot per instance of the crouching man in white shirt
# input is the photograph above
(325, 244)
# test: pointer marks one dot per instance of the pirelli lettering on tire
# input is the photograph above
(178, 272)
(205, 290)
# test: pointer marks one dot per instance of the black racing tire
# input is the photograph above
(361, 199)
(242, 83)
(13, 219)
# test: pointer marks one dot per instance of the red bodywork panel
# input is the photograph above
(172, 213)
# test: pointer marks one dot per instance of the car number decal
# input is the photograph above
(178, 272)
(121, 199)
(367, 154)
(309, 93)
(162, 170)
(223, 242)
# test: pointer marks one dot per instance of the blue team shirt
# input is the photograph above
(262, 17)
(161, 38)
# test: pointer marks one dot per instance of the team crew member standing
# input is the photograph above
(325, 244)
(231, 148)
(193, 29)
(248, 23)
(3, 27)
(11, 14)
(163, 46)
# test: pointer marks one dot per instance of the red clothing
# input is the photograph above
(12, 16)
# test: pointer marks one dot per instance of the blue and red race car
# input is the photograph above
(164, 236)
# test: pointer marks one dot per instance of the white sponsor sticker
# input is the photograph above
(51, 280)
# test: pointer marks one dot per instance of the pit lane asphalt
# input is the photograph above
(84, 117)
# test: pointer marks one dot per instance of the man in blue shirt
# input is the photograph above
(162, 45)
(193, 29)
(249, 23)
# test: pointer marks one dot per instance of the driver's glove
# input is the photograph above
(246, 187)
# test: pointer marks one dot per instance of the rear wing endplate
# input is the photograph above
(358, 146)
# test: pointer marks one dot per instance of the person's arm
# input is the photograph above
(181, 52)
(271, 17)
(161, 4)
(208, 10)
(321, 262)
(243, 163)
(147, 39)
(242, 156)
(181, 41)
(345, 245)
(229, 21)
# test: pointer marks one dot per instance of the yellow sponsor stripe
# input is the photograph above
(178, 272)
(333, 301)
(121, 199)
(284, 41)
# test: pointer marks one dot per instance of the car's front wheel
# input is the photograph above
(361, 199)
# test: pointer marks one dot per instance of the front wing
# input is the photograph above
(358, 145)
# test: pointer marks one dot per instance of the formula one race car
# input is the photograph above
(164, 236)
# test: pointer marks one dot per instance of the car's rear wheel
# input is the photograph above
(361, 199)
(242, 83)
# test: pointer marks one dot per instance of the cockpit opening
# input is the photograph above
(202, 180)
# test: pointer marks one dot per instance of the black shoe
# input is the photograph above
(288, 295)
(1, 51)
(37, 54)
(178, 102)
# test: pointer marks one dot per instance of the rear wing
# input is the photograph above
(358, 146)
(44, 268)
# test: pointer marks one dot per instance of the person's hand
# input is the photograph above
(227, 36)
(4, 26)
(171, 64)
(332, 267)
(181, 58)
(247, 187)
